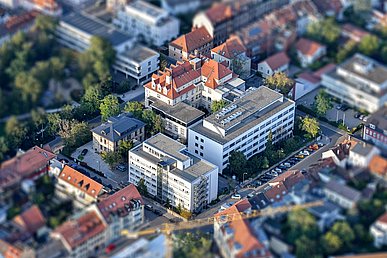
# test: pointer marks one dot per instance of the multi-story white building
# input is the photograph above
(243, 125)
(378, 230)
(173, 175)
(375, 129)
(76, 30)
(151, 23)
(359, 81)
(198, 82)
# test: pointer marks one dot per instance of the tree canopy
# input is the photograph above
(109, 106)
(279, 81)
(322, 103)
(369, 45)
(326, 31)
(310, 126)
(217, 105)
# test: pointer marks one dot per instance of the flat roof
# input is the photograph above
(167, 145)
(181, 111)
(255, 107)
(379, 119)
(139, 53)
(95, 28)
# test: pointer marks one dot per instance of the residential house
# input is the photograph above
(176, 7)
(15, 23)
(326, 214)
(177, 119)
(274, 64)
(31, 222)
(309, 51)
(223, 19)
(48, 7)
(197, 82)
(147, 22)
(235, 237)
(83, 236)
(234, 54)
(361, 154)
(378, 19)
(123, 210)
(378, 230)
(78, 187)
(243, 125)
(198, 42)
(339, 153)
(25, 165)
(344, 196)
(375, 129)
(17, 250)
(107, 136)
(353, 32)
(378, 167)
(360, 82)
(329, 7)
(171, 173)
(76, 30)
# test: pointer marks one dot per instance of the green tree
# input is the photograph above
(192, 245)
(142, 188)
(29, 87)
(300, 223)
(325, 30)
(15, 131)
(38, 117)
(135, 108)
(73, 133)
(3, 148)
(44, 23)
(279, 81)
(307, 247)
(152, 121)
(217, 105)
(310, 126)
(109, 107)
(369, 45)
(185, 213)
(237, 164)
(383, 52)
(91, 100)
(53, 123)
(123, 149)
(111, 158)
(265, 163)
(322, 103)
(344, 231)
(347, 50)
(331, 243)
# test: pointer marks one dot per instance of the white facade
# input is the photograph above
(267, 71)
(246, 133)
(378, 230)
(172, 175)
(308, 59)
(180, 6)
(153, 24)
(360, 81)
(10, 3)
(362, 159)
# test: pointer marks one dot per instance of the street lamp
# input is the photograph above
(243, 177)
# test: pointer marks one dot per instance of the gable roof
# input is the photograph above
(231, 48)
(192, 40)
(219, 12)
(77, 232)
(343, 190)
(383, 218)
(31, 220)
(277, 60)
(80, 181)
(120, 203)
(378, 165)
(308, 47)
(214, 71)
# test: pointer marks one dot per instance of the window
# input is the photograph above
(149, 63)
(201, 140)
(201, 154)
(201, 147)
(196, 138)
(196, 151)
(196, 144)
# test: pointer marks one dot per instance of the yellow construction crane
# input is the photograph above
(168, 228)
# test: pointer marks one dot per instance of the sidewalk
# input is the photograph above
(132, 94)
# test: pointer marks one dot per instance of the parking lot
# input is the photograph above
(94, 160)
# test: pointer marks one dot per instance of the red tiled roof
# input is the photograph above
(353, 31)
(30, 220)
(16, 22)
(80, 181)
(325, 69)
(231, 48)
(310, 77)
(77, 232)
(383, 218)
(242, 231)
(214, 71)
(289, 178)
(120, 202)
(277, 60)
(10, 251)
(378, 165)
(308, 47)
(192, 40)
(219, 12)
(24, 165)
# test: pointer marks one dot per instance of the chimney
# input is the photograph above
(168, 78)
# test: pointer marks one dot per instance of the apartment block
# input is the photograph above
(243, 125)
(173, 175)
(375, 129)
(360, 82)
(107, 136)
(148, 22)
(76, 30)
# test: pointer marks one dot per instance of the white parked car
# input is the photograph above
(236, 196)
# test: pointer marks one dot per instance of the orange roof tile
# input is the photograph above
(277, 60)
(378, 165)
(77, 232)
(308, 47)
(214, 72)
(383, 218)
(80, 181)
(192, 40)
(219, 12)
(30, 220)
(231, 48)
(119, 203)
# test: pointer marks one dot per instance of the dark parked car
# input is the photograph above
(84, 152)
(64, 161)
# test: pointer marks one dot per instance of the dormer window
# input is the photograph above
(159, 88)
